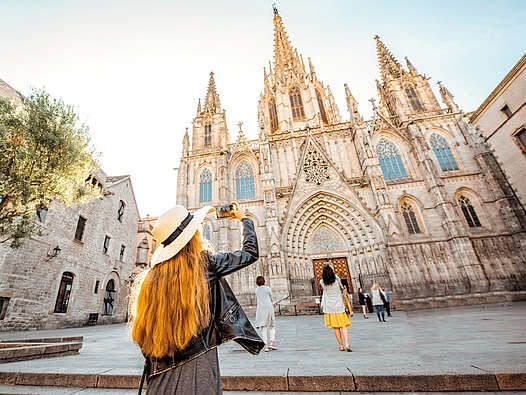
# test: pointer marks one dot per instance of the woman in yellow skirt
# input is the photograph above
(334, 308)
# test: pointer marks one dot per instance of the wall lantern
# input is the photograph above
(54, 253)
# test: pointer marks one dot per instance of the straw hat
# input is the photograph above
(174, 229)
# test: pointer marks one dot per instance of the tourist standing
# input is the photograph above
(334, 309)
(265, 318)
(361, 300)
(378, 302)
(369, 303)
(387, 303)
(183, 305)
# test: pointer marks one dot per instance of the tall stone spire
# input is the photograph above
(352, 105)
(410, 67)
(212, 103)
(286, 59)
(447, 98)
(389, 67)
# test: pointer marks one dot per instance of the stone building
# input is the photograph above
(412, 198)
(145, 242)
(79, 266)
(501, 119)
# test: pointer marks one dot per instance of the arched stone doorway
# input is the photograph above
(326, 226)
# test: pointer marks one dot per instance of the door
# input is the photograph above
(341, 268)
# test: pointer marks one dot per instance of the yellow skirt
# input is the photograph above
(336, 320)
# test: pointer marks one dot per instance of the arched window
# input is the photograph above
(469, 212)
(205, 186)
(322, 108)
(390, 160)
(109, 298)
(296, 104)
(410, 218)
(273, 114)
(443, 153)
(64, 292)
(207, 232)
(245, 181)
(208, 135)
(413, 99)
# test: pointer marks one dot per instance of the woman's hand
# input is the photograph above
(237, 214)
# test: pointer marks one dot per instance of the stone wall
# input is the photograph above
(31, 278)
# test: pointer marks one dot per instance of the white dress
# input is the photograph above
(265, 309)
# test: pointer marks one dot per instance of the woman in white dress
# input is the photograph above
(265, 319)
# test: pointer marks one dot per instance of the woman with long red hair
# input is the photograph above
(183, 308)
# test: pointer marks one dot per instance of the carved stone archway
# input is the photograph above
(361, 239)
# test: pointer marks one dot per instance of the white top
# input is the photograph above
(265, 308)
(377, 300)
(331, 300)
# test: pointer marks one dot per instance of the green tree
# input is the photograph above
(45, 155)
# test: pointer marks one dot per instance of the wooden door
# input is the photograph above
(341, 268)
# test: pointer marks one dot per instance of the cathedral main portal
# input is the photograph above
(340, 266)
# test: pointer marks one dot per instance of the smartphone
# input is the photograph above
(225, 211)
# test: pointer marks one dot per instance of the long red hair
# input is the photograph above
(172, 302)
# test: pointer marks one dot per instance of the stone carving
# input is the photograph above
(315, 167)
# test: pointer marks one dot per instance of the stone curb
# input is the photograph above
(294, 383)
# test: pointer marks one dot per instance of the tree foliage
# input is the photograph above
(45, 155)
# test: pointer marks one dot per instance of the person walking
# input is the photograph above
(184, 308)
(265, 318)
(334, 309)
(378, 302)
(362, 302)
(387, 303)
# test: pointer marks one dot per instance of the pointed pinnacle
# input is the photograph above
(389, 66)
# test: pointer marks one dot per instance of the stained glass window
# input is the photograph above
(296, 104)
(469, 212)
(245, 181)
(410, 218)
(205, 186)
(208, 134)
(413, 99)
(443, 153)
(390, 160)
(273, 115)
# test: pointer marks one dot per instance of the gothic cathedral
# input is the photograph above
(412, 198)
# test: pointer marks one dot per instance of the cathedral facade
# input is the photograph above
(412, 198)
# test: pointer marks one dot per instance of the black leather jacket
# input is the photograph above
(228, 321)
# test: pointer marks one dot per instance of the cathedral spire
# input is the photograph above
(410, 66)
(389, 66)
(212, 103)
(285, 57)
(199, 106)
(352, 104)
(447, 98)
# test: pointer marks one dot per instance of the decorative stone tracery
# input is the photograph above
(315, 166)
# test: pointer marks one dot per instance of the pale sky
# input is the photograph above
(134, 70)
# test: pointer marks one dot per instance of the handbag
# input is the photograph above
(347, 302)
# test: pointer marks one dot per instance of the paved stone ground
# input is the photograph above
(466, 340)
(80, 391)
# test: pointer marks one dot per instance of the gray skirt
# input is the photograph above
(199, 376)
